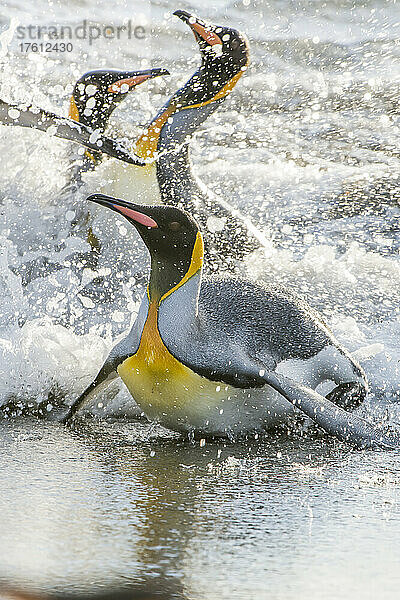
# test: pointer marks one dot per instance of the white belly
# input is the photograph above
(132, 183)
(231, 412)
(179, 399)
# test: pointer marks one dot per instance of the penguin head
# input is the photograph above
(172, 237)
(224, 58)
(224, 50)
(97, 93)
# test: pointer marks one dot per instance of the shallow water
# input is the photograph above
(308, 146)
(113, 504)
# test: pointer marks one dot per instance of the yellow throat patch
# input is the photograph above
(73, 114)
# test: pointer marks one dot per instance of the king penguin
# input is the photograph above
(168, 177)
(226, 357)
(94, 98)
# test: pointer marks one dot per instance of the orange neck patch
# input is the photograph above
(146, 145)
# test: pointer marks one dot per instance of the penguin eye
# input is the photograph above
(174, 226)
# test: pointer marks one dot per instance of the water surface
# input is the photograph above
(112, 504)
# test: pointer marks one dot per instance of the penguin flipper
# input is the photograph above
(103, 378)
(65, 128)
(336, 421)
(126, 347)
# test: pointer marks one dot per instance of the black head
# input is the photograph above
(97, 93)
(225, 55)
(172, 237)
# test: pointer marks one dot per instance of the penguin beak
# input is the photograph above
(133, 212)
(203, 32)
(134, 78)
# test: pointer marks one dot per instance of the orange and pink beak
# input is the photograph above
(131, 211)
(125, 84)
(201, 30)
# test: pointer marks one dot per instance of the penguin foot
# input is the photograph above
(349, 395)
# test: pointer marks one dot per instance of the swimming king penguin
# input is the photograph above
(224, 59)
(94, 98)
(223, 356)
(164, 145)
